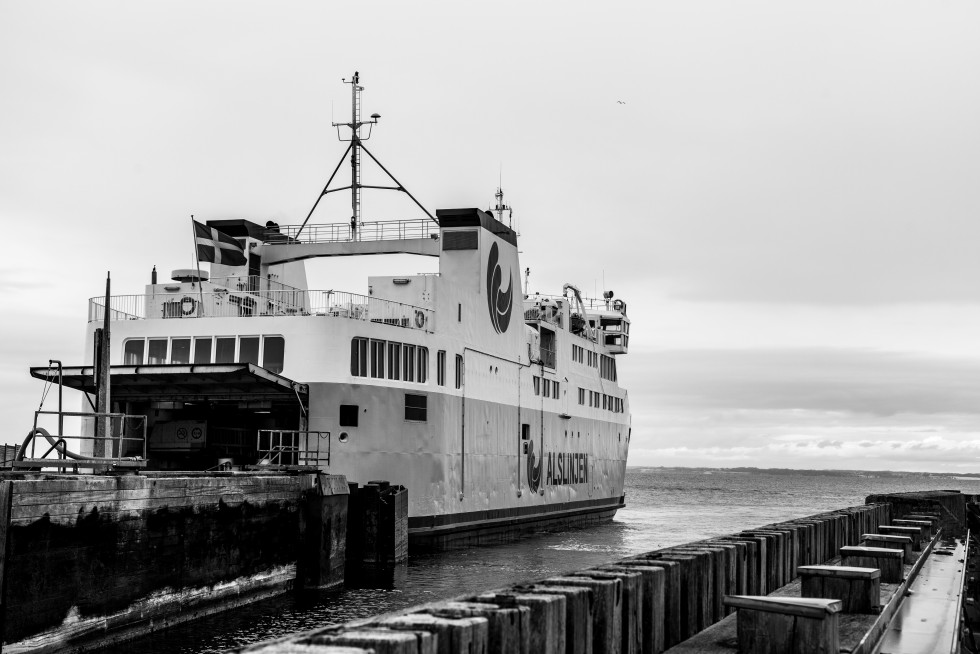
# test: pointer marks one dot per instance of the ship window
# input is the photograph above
(423, 364)
(202, 350)
(248, 350)
(358, 357)
(547, 388)
(441, 367)
(408, 362)
(537, 386)
(459, 371)
(180, 350)
(133, 352)
(554, 390)
(273, 353)
(581, 396)
(157, 351)
(348, 415)
(377, 359)
(394, 359)
(415, 407)
(224, 350)
(525, 431)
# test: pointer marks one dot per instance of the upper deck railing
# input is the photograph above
(382, 230)
(226, 304)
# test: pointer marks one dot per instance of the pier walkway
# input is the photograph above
(761, 590)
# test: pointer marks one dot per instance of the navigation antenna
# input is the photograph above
(501, 208)
(356, 145)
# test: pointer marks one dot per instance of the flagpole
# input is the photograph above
(197, 260)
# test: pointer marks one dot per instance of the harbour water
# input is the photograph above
(664, 508)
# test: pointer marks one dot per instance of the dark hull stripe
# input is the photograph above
(450, 522)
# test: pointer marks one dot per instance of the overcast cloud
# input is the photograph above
(784, 193)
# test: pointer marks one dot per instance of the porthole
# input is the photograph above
(344, 437)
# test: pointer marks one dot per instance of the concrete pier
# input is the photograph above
(95, 559)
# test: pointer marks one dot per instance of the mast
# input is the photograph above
(356, 145)
(355, 149)
(501, 208)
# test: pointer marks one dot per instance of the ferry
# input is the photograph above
(500, 411)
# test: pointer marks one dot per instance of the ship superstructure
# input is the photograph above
(497, 409)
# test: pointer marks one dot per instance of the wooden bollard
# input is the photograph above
(925, 527)
(672, 594)
(889, 561)
(773, 556)
(653, 618)
(759, 556)
(631, 605)
(903, 543)
(776, 625)
(747, 574)
(858, 589)
(734, 558)
(578, 614)
(548, 614)
(509, 628)
(693, 589)
(912, 532)
(712, 559)
(453, 635)
(607, 619)
(375, 639)
(933, 521)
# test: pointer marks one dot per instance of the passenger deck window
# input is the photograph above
(224, 351)
(358, 357)
(157, 351)
(248, 350)
(202, 350)
(133, 352)
(180, 350)
(273, 353)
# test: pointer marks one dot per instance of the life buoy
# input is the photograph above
(188, 305)
(618, 305)
(419, 319)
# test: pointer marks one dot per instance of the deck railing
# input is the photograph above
(222, 303)
(382, 230)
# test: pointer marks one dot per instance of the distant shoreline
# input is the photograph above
(804, 471)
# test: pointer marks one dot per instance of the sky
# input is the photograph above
(784, 193)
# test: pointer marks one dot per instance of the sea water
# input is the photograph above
(663, 508)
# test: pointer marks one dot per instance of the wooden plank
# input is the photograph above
(805, 607)
(6, 492)
(843, 571)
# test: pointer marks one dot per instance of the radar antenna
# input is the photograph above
(356, 140)
(501, 208)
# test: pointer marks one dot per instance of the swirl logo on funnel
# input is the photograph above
(501, 303)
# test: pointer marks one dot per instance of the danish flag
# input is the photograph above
(218, 247)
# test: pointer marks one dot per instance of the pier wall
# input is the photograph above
(102, 558)
(643, 604)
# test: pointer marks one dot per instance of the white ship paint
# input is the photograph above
(497, 414)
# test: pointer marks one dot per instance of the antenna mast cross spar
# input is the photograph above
(356, 140)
